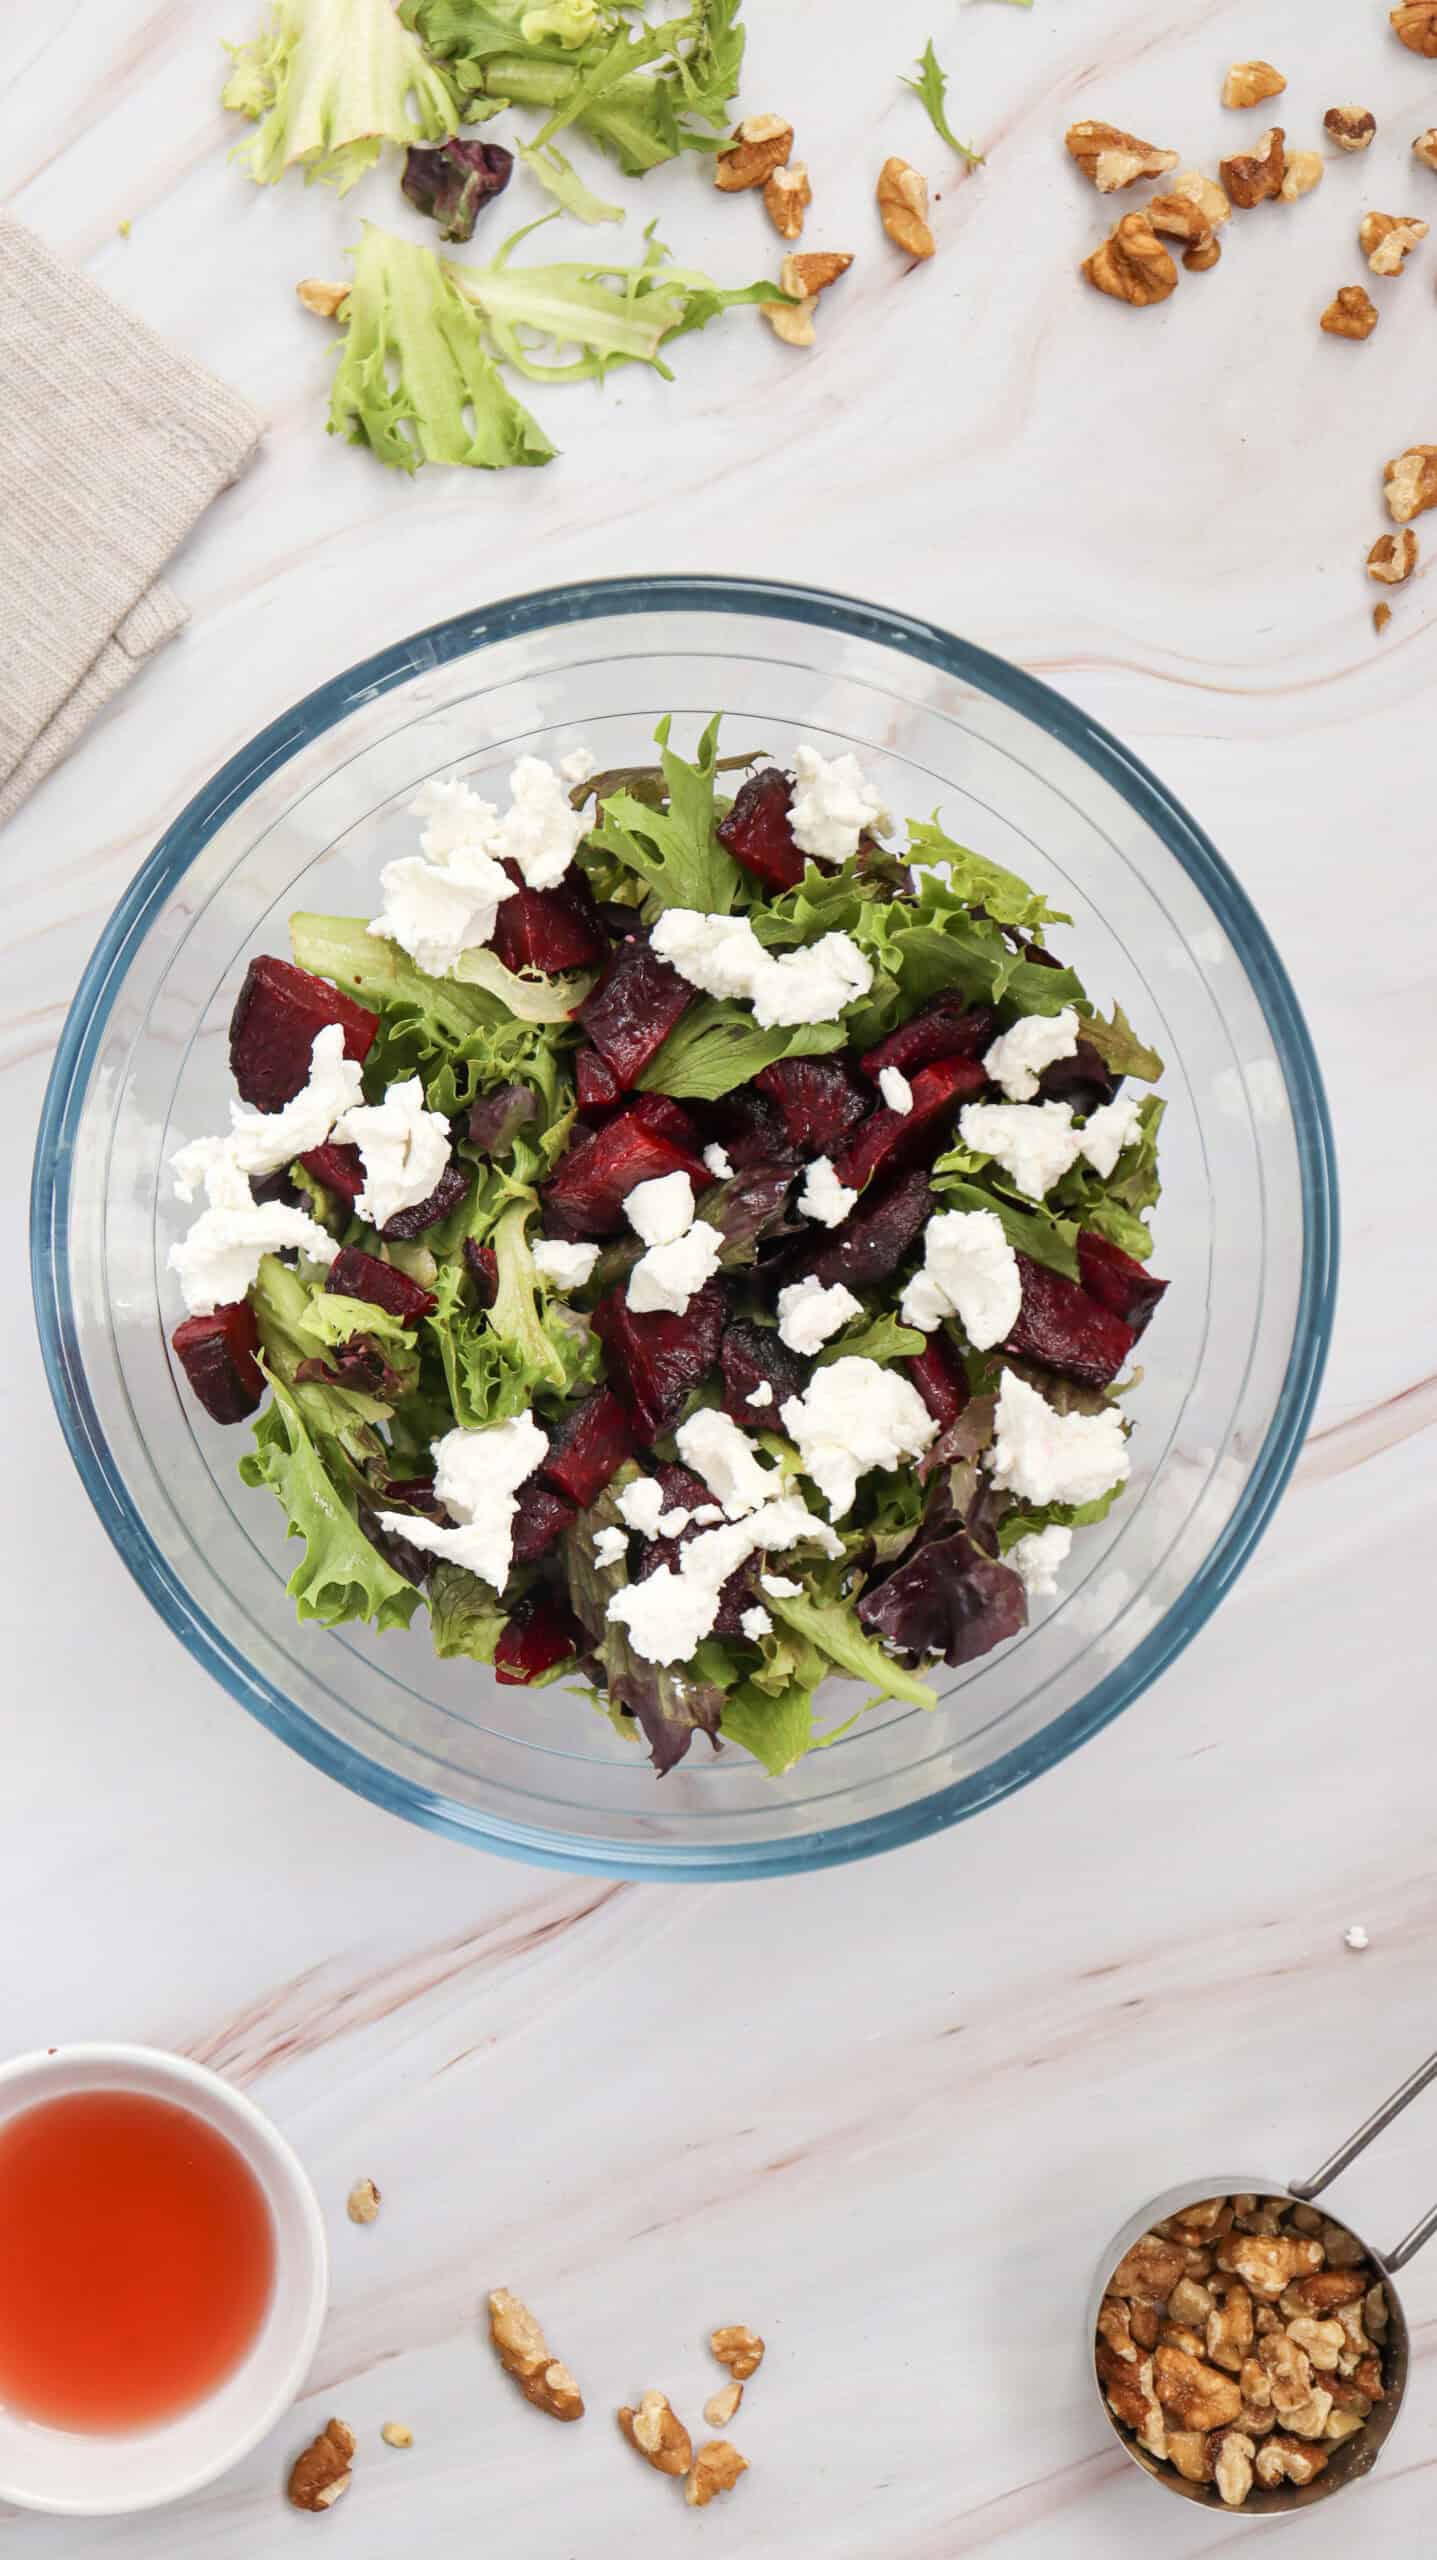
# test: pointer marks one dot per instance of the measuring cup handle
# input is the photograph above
(1347, 2152)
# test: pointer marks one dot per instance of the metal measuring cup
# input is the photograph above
(1354, 2457)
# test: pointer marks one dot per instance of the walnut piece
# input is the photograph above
(1190, 2455)
(792, 321)
(524, 2352)
(1375, 2313)
(1351, 313)
(1248, 83)
(739, 2348)
(1208, 196)
(1321, 2341)
(1336, 2286)
(717, 2466)
(1229, 2326)
(327, 300)
(1414, 23)
(654, 2431)
(760, 145)
(1283, 2458)
(362, 2203)
(903, 206)
(1311, 2419)
(1112, 158)
(1411, 485)
(1287, 2370)
(1133, 266)
(394, 2434)
(1173, 2334)
(1301, 172)
(722, 2407)
(1193, 2395)
(1190, 2302)
(1115, 2322)
(322, 2473)
(1266, 2264)
(1233, 2467)
(787, 196)
(1145, 2322)
(1251, 177)
(1387, 238)
(1342, 2248)
(1424, 147)
(1148, 2271)
(809, 271)
(1350, 128)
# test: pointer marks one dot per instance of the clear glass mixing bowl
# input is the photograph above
(304, 817)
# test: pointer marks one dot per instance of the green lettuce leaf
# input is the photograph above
(329, 1319)
(1031, 1230)
(1116, 1205)
(880, 1338)
(329, 83)
(561, 180)
(931, 86)
(536, 999)
(415, 381)
(464, 1616)
(717, 1045)
(610, 313)
(675, 851)
(777, 1730)
(1024, 1517)
(643, 93)
(976, 882)
(497, 1363)
(344, 1421)
(1119, 1047)
(833, 1627)
(342, 1575)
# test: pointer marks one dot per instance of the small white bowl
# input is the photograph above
(65, 2474)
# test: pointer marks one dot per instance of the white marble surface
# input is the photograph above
(889, 2114)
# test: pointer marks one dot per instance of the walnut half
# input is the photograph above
(903, 208)
(1112, 158)
(524, 2352)
(717, 2466)
(1387, 238)
(322, 2473)
(1248, 83)
(1352, 313)
(1251, 177)
(1350, 128)
(758, 146)
(654, 2431)
(1133, 266)
(741, 2349)
(1414, 23)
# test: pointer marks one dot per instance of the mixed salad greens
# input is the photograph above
(685, 1243)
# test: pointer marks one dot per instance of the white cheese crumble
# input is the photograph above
(610, 1545)
(577, 766)
(672, 1524)
(851, 1417)
(1106, 1132)
(436, 911)
(823, 1196)
(718, 1163)
(1035, 1142)
(405, 1150)
(810, 1315)
(722, 956)
(1017, 1059)
(669, 1614)
(708, 1515)
(665, 1278)
(641, 1504)
(896, 1090)
(438, 907)
(564, 1266)
(477, 1475)
(761, 1394)
(756, 1622)
(1036, 1559)
(723, 1455)
(1054, 1457)
(1356, 1938)
(969, 1271)
(220, 1257)
(261, 1142)
(778, 1586)
(833, 803)
(662, 1209)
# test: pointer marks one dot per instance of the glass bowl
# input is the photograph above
(304, 817)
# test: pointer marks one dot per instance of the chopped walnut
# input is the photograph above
(325, 300)
(1195, 2396)
(1132, 265)
(1190, 2455)
(1210, 200)
(1414, 23)
(1148, 2271)
(524, 2352)
(1301, 172)
(1321, 2342)
(1115, 2326)
(1130, 2393)
(1189, 2301)
(1266, 2264)
(1320, 2295)
(1311, 2419)
(1288, 2371)
(1233, 2467)
(759, 145)
(1375, 2312)
(787, 196)
(1229, 2326)
(1251, 177)
(362, 2203)
(1191, 2341)
(322, 2473)
(393, 2433)
(1424, 146)
(738, 2348)
(722, 2408)
(903, 207)
(1343, 2248)
(717, 2467)
(1350, 128)
(1283, 2458)
(1146, 2323)
(810, 271)
(1348, 2422)
(792, 321)
(1410, 481)
(1248, 83)
(1112, 158)
(1351, 313)
(1179, 218)
(654, 2431)
(1387, 238)
(1305, 2217)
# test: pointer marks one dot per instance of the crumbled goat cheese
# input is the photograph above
(723, 1455)
(661, 1210)
(577, 766)
(833, 804)
(851, 1417)
(722, 956)
(761, 1394)
(542, 830)
(641, 1504)
(454, 815)
(1018, 1058)
(969, 1271)
(823, 1196)
(718, 1163)
(440, 906)
(810, 1315)
(669, 1614)
(261, 1142)
(1106, 1132)
(756, 1622)
(778, 1586)
(610, 1545)
(220, 1257)
(1036, 1559)
(665, 1278)
(1054, 1457)
(438, 911)
(405, 1150)
(896, 1090)
(564, 1266)
(1356, 1938)
(708, 1515)
(1035, 1142)
(477, 1475)
(672, 1524)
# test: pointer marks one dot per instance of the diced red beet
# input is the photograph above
(483, 1267)
(821, 1100)
(451, 1187)
(874, 1237)
(752, 1355)
(540, 1632)
(279, 1014)
(596, 1085)
(748, 1126)
(1086, 1080)
(680, 1486)
(340, 1169)
(585, 1194)
(543, 1515)
(587, 1446)
(945, 1027)
(657, 1361)
(757, 831)
(889, 1139)
(357, 1274)
(216, 1353)
(414, 1493)
(1122, 1285)
(667, 1119)
(1062, 1328)
(941, 1379)
(633, 1009)
(555, 930)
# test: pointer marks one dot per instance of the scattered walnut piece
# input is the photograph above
(1387, 238)
(1203, 254)
(903, 205)
(394, 2434)
(722, 2408)
(1301, 172)
(1391, 561)
(1132, 265)
(1233, 2466)
(1414, 23)
(362, 2204)
(787, 196)
(1181, 218)
(717, 2466)
(524, 2352)
(1251, 177)
(654, 2431)
(809, 271)
(326, 299)
(1112, 158)
(1350, 128)
(1424, 147)
(1351, 313)
(322, 2473)
(1205, 193)
(760, 145)
(792, 321)
(1411, 485)
(739, 2348)
(1248, 83)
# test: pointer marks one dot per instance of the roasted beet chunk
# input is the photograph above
(657, 1361)
(1061, 1327)
(451, 1187)
(585, 1194)
(748, 1126)
(587, 1446)
(753, 1356)
(1117, 1281)
(542, 1517)
(633, 1009)
(821, 1100)
(889, 1139)
(357, 1274)
(595, 1084)
(874, 1237)
(681, 1487)
(757, 831)
(555, 930)
(946, 1598)
(1085, 1080)
(279, 1014)
(540, 1632)
(483, 1266)
(945, 1028)
(339, 1169)
(216, 1353)
(941, 1380)
(667, 1119)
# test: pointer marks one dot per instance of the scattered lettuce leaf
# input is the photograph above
(536, 999)
(464, 1616)
(329, 83)
(1119, 1047)
(1118, 1202)
(674, 852)
(415, 381)
(974, 881)
(343, 1419)
(497, 1362)
(642, 93)
(833, 1627)
(561, 180)
(330, 1319)
(342, 1575)
(611, 313)
(454, 183)
(670, 1705)
(931, 86)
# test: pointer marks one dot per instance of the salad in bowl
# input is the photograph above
(689, 1240)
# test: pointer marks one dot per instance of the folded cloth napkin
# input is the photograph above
(111, 448)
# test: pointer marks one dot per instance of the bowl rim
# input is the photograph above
(462, 635)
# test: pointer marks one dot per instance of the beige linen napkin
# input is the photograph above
(111, 448)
